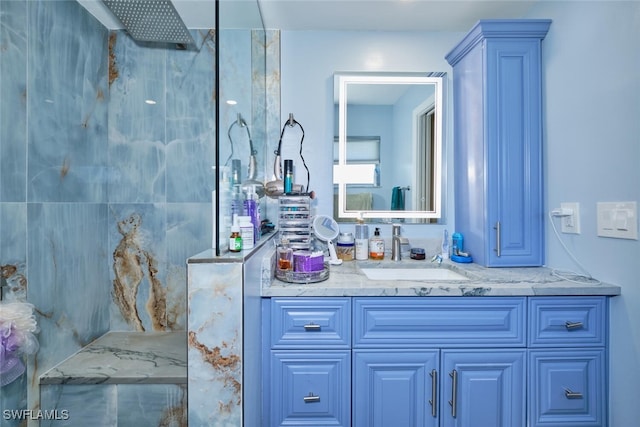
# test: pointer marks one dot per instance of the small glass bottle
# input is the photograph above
(235, 240)
(285, 256)
(345, 248)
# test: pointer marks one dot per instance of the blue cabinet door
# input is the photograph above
(498, 141)
(310, 387)
(567, 388)
(395, 388)
(483, 388)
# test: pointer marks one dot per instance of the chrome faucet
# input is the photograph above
(396, 243)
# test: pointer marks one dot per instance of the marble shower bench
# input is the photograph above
(120, 379)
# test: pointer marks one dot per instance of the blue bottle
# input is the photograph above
(457, 243)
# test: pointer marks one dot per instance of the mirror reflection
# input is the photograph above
(388, 146)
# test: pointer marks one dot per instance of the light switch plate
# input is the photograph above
(618, 220)
(571, 223)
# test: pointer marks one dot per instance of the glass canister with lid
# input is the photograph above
(346, 246)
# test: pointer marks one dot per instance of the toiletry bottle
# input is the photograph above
(362, 241)
(288, 176)
(235, 240)
(457, 243)
(251, 210)
(246, 232)
(237, 201)
(376, 246)
(445, 245)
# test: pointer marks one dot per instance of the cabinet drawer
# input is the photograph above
(427, 322)
(310, 388)
(310, 322)
(567, 388)
(567, 322)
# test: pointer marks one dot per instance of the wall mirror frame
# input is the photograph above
(411, 154)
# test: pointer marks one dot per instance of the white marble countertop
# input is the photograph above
(348, 280)
(125, 358)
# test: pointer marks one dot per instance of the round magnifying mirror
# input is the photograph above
(326, 229)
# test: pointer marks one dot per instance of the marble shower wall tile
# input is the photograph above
(13, 250)
(272, 109)
(137, 245)
(80, 405)
(67, 99)
(152, 405)
(13, 255)
(13, 101)
(188, 225)
(136, 121)
(68, 279)
(115, 405)
(190, 121)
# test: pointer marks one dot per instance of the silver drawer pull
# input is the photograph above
(311, 398)
(311, 327)
(434, 393)
(572, 394)
(454, 393)
(572, 325)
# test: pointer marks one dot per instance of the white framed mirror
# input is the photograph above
(401, 178)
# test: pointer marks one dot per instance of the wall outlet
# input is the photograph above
(571, 223)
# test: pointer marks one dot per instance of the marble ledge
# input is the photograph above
(348, 280)
(208, 256)
(125, 358)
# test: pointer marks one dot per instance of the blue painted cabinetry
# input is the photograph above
(497, 94)
(567, 362)
(435, 361)
(309, 374)
(439, 361)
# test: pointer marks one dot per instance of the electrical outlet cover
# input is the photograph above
(571, 224)
(618, 220)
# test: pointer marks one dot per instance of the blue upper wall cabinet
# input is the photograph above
(497, 93)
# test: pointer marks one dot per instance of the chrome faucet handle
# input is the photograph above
(395, 230)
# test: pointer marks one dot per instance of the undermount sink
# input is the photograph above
(413, 274)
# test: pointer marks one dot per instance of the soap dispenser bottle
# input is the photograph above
(376, 246)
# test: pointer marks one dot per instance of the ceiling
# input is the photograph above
(383, 15)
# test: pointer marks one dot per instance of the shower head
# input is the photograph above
(151, 20)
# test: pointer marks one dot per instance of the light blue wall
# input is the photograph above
(591, 132)
(309, 60)
(592, 154)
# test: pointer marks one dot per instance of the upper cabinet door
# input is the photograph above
(498, 141)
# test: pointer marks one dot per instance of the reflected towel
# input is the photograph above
(397, 199)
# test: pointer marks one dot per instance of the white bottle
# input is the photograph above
(362, 241)
(246, 231)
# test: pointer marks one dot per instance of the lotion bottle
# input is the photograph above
(362, 241)
(376, 246)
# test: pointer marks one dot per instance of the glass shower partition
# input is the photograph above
(241, 114)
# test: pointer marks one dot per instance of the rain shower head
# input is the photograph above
(151, 20)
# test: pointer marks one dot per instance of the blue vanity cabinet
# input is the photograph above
(497, 94)
(439, 361)
(567, 362)
(309, 361)
(435, 361)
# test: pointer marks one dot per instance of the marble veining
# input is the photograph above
(131, 264)
(348, 280)
(125, 358)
